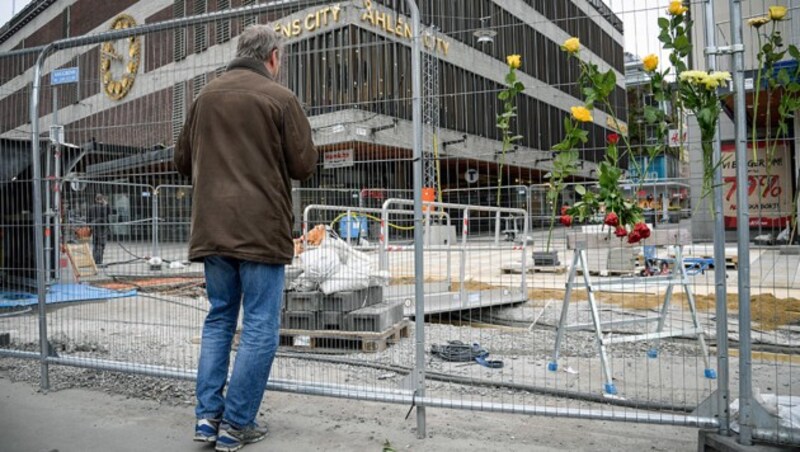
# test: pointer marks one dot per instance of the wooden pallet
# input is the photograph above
(604, 273)
(359, 341)
(516, 269)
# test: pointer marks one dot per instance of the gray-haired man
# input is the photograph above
(245, 138)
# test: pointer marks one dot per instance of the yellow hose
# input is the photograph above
(371, 217)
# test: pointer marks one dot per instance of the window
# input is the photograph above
(179, 41)
(223, 27)
(200, 32)
(197, 85)
(178, 109)
(252, 18)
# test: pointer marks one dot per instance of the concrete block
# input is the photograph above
(345, 301)
(304, 301)
(375, 295)
(330, 320)
(376, 318)
(299, 320)
(440, 235)
(622, 259)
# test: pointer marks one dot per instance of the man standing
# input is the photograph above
(98, 218)
(245, 138)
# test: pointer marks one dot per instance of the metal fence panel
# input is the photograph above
(520, 313)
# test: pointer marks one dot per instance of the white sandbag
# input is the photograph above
(345, 279)
(348, 255)
(291, 275)
(303, 285)
(380, 278)
(786, 409)
(319, 264)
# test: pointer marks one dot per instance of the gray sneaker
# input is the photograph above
(230, 439)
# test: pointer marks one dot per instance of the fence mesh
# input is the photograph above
(523, 314)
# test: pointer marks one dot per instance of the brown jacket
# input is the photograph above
(243, 140)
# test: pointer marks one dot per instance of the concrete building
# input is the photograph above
(664, 185)
(349, 62)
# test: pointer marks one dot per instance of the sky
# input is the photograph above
(639, 17)
(6, 9)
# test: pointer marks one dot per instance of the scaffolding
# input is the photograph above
(430, 120)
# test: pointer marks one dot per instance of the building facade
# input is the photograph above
(350, 65)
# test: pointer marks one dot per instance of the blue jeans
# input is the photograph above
(231, 283)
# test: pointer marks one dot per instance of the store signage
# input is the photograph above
(312, 21)
(395, 24)
(675, 138)
(768, 185)
(338, 159)
(471, 176)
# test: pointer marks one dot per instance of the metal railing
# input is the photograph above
(146, 316)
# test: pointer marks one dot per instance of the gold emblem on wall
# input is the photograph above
(119, 61)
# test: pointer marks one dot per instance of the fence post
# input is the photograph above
(723, 385)
(154, 221)
(746, 418)
(497, 219)
(38, 219)
(419, 270)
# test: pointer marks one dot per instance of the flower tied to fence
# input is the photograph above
(676, 8)
(582, 114)
(620, 212)
(650, 62)
(777, 12)
(508, 96)
(697, 91)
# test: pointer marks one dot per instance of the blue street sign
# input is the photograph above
(64, 76)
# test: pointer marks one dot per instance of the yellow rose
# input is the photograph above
(582, 114)
(572, 45)
(758, 22)
(650, 62)
(676, 8)
(777, 12)
(514, 61)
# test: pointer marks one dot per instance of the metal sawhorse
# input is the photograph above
(678, 277)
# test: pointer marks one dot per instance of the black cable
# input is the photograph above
(457, 351)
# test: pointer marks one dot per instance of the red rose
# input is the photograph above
(643, 230)
(634, 237)
(612, 220)
(564, 210)
(566, 220)
(613, 138)
(621, 232)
